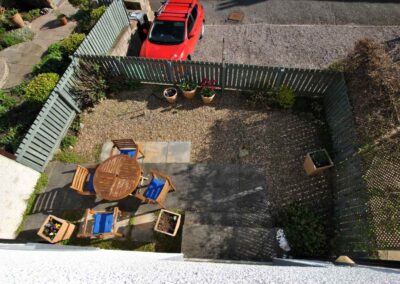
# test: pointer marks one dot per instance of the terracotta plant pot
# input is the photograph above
(168, 222)
(207, 100)
(63, 20)
(170, 94)
(317, 161)
(189, 94)
(17, 20)
(64, 231)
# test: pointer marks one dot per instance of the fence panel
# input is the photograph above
(103, 35)
(349, 189)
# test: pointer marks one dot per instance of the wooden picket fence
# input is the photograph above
(227, 75)
(106, 31)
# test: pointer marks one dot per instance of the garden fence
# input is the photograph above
(56, 116)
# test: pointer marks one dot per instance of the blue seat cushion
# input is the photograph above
(130, 152)
(103, 223)
(89, 184)
(154, 189)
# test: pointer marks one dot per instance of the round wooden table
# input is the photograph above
(117, 177)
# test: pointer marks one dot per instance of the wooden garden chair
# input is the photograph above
(82, 182)
(100, 224)
(157, 190)
(128, 147)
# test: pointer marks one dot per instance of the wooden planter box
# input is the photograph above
(63, 233)
(317, 161)
(174, 223)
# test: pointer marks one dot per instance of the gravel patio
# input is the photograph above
(227, 132)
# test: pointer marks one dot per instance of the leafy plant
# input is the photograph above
(68, 141)
(11, 138)
(31, 15)
(16, 36)
(187, 85)
(11, 12)
(80, 3)
(19, 90)
(285, 97)
(91, 84)
(40, 87)
(51, 63)
(88, 17)
(305, 230)
(69, 44)
(6, 102)
(207, 87)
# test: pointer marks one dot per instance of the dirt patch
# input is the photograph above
(302, 46)
(228, 131)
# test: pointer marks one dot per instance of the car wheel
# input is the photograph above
(202, 31)
(189, 57)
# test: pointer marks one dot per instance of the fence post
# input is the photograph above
(280, 77)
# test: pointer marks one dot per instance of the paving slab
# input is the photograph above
(155, 152)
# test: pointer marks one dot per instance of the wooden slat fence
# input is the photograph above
(51, 124)
(104, 34)
(349, 189)
(227, 75)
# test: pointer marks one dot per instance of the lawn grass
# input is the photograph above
(40, 185)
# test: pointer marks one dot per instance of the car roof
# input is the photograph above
(175, 10)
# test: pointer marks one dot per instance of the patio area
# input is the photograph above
(234, 167)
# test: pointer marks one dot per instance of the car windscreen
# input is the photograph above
(167, 32)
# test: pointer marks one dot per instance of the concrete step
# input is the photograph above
(229, 242)
(233, 219)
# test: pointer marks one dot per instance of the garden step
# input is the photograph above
(234, 219)
(228, 242)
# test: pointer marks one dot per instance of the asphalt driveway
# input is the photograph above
(302, 12)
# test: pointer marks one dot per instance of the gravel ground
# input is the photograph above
(302, 46)
(278, 140)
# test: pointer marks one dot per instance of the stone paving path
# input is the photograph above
(20, 58)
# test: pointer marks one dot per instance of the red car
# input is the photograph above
(177, 27)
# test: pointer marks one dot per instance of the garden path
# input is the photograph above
(20, 58)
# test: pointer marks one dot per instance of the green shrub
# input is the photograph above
(68, 141)
(11, 138)
(40, 87)
(16, 36)
(71, 43)
(6, 102)
(31, 15)
(87, 18)
(305, 230)
(285, 97)
(51, 63)
(80, 3)
(90, 85)
(19, 90)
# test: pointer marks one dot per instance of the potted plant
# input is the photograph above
(63, 19)
(15, 17)
(55, 229)
(170, 94)
(317, 161)
(188, 89)
(207, 90)
(168, 222)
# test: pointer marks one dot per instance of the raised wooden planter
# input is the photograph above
(168, 222)
(317, 161)
(63, 232)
